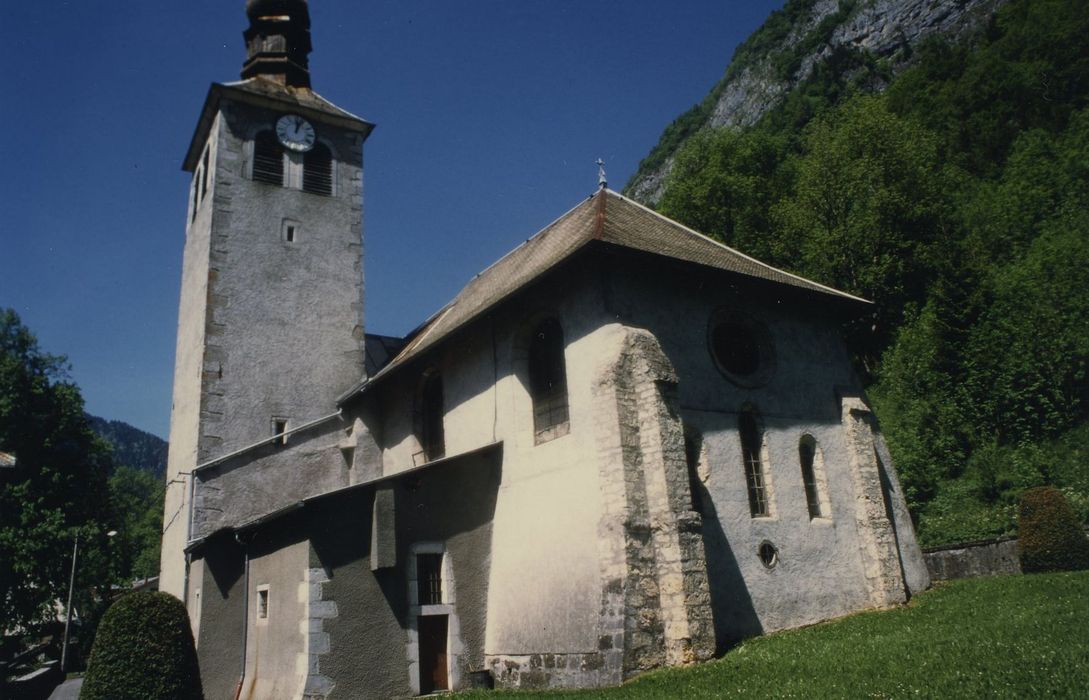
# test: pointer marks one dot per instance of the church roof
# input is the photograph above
(608, 217)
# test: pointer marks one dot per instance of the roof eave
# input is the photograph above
(294, 506)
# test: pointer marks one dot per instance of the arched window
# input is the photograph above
(752, 441)
(807, 453)
(268, 159)
(548, 381)
(318, 170)
(432, 439)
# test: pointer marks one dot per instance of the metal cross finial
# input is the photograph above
(602, 182)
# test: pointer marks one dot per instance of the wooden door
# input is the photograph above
(432, 641)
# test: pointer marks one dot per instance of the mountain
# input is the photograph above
(869, 41)
(132, 447)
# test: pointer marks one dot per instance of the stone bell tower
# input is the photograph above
(270, 323)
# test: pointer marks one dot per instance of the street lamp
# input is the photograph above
(68, 610)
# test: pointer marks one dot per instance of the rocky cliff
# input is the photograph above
(792, 45)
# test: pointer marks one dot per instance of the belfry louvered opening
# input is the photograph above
(268, 159)
(318, 170)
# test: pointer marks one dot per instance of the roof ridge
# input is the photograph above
(540, 232)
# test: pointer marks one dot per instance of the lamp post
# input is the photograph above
(68, 609)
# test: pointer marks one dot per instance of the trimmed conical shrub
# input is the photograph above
(1051, 537)
(143, 651)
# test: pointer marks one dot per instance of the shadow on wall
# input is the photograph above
(731, 605)
(224, 562)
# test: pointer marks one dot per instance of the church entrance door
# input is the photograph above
(432, 639)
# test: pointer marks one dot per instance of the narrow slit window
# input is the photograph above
(429, 579)
(262, 602)
(204, 174)
(752, 440)
(807, 452)
(548, 381)
(432, 437)
(318, 170)
(268, 159)
(279, 430)
(290, 231)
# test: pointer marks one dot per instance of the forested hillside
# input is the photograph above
(132, 447)
(808, 49)
(957, 198)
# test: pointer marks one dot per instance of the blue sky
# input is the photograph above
(490, 116)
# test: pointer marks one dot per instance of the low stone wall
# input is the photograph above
(973, 559)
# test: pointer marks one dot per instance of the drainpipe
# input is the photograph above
(185, 580)
(188, 538)
(245, 615)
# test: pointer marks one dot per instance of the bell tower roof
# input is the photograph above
(278, 42)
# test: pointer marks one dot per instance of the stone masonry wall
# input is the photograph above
(880, 552)
(667, 614)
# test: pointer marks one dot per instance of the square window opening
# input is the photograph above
(429, 579)
(290, 231)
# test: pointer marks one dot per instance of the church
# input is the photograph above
(622, 446)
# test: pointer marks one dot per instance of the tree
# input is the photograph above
(137, 500)
(723, 185)
(868, 210)
(1050, 536)
(58, 489)
(144, 651)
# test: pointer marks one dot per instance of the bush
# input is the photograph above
(143, 651)
(1051, 536)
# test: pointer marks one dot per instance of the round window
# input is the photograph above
(735, 348)
(741, 348)
(769, 555)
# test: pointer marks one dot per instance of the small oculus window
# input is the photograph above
(769, 555)
(741, 348)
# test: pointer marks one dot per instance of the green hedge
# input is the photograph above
(1051, 537)
(143, 651)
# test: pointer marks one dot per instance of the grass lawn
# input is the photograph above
(1010, 636)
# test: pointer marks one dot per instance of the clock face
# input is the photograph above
(295, 132)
